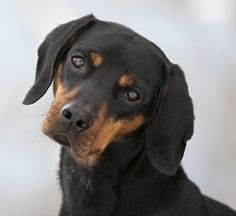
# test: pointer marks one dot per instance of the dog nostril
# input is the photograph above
(67, 114)
(81, 124)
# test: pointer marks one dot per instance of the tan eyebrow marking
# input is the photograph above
(126, 80)
(96, 59)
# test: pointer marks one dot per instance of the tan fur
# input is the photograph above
(57, 81)
(96, 59)
(61, 97)
(126, 80)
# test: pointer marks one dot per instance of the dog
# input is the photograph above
(123, 115)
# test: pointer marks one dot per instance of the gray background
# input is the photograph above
(199, 35)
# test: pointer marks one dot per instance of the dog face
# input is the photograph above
(108, 82)
(96, 100)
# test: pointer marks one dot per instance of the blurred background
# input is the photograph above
(199, 35)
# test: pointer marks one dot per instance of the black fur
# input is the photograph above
(138, 174)
(51, 51)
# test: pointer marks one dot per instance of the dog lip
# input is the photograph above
(61, 139)
(66, 138)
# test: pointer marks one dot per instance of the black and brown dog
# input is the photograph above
(123, 115)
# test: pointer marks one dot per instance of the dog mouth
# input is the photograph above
(62, 139)
(70, 140)
(84, 154)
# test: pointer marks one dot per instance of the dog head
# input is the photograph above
(110, 82)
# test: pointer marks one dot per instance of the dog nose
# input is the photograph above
(75, 118)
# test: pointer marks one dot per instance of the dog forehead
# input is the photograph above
(122, 49)
(109, 39)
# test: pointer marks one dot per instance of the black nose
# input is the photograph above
(75, 118)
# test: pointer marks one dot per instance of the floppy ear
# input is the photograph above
(51, 51)
(172, 125)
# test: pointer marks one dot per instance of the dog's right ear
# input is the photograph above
(51, 52)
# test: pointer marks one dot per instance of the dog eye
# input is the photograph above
(132, 95)
(77, 61)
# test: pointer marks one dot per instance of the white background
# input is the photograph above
(199, 35)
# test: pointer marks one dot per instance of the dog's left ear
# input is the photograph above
(172, 124)
(50, 53)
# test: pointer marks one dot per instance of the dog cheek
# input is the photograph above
(114, 129)
(54, 115)
(51, 119)
(129, 126)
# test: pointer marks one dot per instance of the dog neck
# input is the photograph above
(102, 187)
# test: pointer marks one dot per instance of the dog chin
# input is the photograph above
(83, 156)
(88, 159)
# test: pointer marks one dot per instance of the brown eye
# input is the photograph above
(78, 61)
(132, 95)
